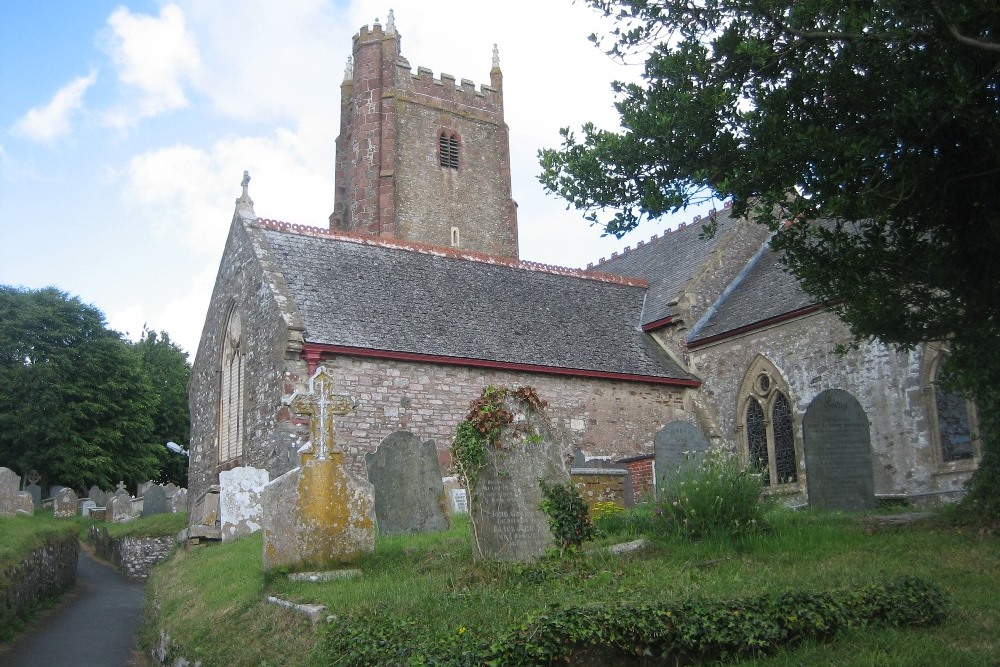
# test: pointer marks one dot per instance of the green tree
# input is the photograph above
(167, 369)
(75, 403)
(873, 126)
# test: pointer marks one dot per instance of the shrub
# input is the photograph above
(717, 496)
(568, 518)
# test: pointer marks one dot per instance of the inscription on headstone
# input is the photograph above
(837, 440)
(677, 447)
(507, 522)
(409, 494)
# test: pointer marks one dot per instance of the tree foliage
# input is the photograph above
(76, 401)
(167, 369)
(873, 127)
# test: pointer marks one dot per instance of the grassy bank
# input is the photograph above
(430, 585)
(20, 535)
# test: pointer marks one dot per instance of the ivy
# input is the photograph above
(567, 513)
(668, 633)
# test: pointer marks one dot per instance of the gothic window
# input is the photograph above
(448, 149)
(953, 418)
(231, 404)
(768, 430)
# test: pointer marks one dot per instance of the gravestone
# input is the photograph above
(54, 490)
(507, 524)
(838, 453)
(98, 496)
(119, 508)
(318, 513)
(25, 504)
(65, 504)
(178, 501)
(86, 507)
(10, 486)
(154, 500)
(240, 508)
(143, 487)
(169, 489)
(36, 494)
(409, 494)
(677, 448)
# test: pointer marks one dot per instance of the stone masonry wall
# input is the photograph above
(270, 332)
(886, 383)
(134, 556)
(47, 571)
(601, 417)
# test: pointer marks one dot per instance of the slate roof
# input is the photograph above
(370, 296)
(668, 262)
(765, 291)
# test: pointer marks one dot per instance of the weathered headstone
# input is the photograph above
(10, 486)
(409, 494)
(65, 505)
(36, 494)
(25, 504)
(86, 507)
(119, 508)
(98, 496)
(677, 448)
(143, 487)
(154, 500)
(178, 501)
(240, 507)
(320, 512)
(54, 490)
(206, 510)
(169, 489)
(837, 440)
(507, 523)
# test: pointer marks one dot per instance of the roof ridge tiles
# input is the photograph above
(446, 251)
(666, 232)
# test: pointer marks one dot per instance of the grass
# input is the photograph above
(157, 525)
(20, 535)
(205, 594)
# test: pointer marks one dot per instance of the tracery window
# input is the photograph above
(233, 378)
(953, 419)
(448, 149)
(767, 425)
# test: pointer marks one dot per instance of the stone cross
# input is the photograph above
(33, 477)
(121, 486)
(320, 404)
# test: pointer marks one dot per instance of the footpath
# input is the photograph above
(94, 626)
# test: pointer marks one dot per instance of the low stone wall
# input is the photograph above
(134, 556)
(46, 572)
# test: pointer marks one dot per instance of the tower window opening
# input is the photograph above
(448, 150)
(456, 239)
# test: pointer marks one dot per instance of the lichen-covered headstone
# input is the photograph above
(677, 447)
(240, 506)
(838, 450)
(10, 486)
(178, 501)
(65, 504)
(154, 500)
(507, 524)
(319, 513)
(25, 504)
(119, 508)
(409, 493)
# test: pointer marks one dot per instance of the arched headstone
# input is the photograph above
(409, 493)
(677, 447)
(837, 440)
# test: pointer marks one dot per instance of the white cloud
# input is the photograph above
(53, 121)
(155, 56)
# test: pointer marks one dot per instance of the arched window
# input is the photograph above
(448, 149)
(954, 427)
(231, 405)
(766, 424)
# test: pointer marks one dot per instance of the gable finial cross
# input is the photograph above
(321, 405)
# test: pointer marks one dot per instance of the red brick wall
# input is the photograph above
(642, 477)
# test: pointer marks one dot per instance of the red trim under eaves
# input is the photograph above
(756, 325)
(314, 350)
(652, 326)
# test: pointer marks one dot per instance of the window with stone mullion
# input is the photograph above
(757, 439)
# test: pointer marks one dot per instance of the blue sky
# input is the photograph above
(125, 128)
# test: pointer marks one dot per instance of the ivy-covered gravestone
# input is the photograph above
(502, 449)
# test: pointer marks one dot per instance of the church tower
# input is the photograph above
(422, 159)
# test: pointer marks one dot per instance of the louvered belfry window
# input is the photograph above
(231, 415)
(448, 149)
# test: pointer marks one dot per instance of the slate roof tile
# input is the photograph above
(382, 298)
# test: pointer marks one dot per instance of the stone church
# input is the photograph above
(414, 298)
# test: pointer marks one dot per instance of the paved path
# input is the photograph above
(93, 627)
